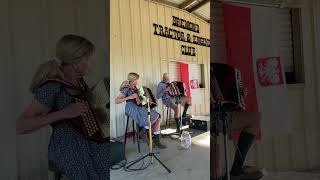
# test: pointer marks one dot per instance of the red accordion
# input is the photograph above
(229, 81)
(177, 89)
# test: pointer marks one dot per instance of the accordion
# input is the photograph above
(88, 125)
(144, 94)
(228, 80)
(177, 89)
(95, 124)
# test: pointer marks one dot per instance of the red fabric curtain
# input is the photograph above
(184, 77)
(237, 25)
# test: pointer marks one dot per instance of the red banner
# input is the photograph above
(184, 77)
(237, 25)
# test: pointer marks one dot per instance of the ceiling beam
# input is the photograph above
(278, 4)
(166, 3)
(206, 20)
(187, 3)
(202, 3)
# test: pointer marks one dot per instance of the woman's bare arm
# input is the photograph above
(122, 98)
(37, 115)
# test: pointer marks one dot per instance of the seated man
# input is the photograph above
(163, 93)
(249, 123)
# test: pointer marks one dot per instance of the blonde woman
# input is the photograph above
(136, 112)
(72, 154)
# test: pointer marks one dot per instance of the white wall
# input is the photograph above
(28, 33)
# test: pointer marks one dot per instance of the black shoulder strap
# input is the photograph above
(107, 84)
(64, 83)
(84, 86)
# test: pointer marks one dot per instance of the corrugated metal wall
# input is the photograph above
(28, 33)
(217, 33)
(299, 150)
(135, 48)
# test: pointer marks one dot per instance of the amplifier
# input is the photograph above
(117, 152)
(200, 123)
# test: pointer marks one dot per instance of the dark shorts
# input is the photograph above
(171, 102)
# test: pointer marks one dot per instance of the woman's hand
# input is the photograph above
(167, 89)
(133, 96)
(74, 110)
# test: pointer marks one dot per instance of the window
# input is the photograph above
(196, 74)
(297, 46)
(202, 80)
(290, 44)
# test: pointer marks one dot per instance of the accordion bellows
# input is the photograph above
(100, 99)
(144, 93)
(100, 95)
(227, 80)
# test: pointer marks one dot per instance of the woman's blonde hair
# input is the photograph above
(70, 49)
(131, 77)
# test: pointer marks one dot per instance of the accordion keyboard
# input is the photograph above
(240, 85)
(89, 119)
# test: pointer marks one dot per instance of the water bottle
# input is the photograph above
(185, 140)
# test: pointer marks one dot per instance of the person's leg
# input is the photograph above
(249, 123)
(185, 102)
(156, 126)
(177, 117)
(156, 133)
(171, 103)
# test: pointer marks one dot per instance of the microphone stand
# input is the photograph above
(151, 153)
(222, 117)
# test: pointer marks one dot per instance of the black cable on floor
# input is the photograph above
(142, 167)
(122, 164)
(119, 165)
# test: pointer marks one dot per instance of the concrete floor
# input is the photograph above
(192, 164)
(291, 176)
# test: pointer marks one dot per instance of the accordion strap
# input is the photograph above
(62, 82)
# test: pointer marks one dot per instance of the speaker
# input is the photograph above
(200, 123)
(117, 152)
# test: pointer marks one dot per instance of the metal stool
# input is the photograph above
(57, 173)
(134, 132)
(167, 116)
